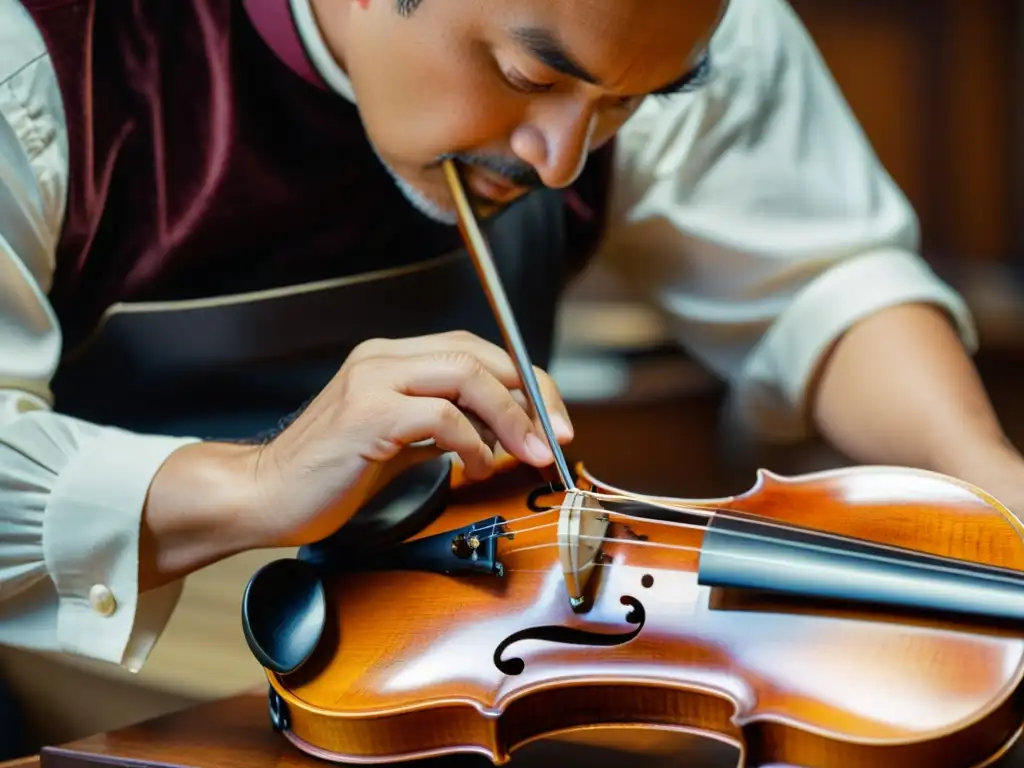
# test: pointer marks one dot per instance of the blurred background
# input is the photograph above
(938, 87)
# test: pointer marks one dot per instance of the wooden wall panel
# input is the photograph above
(979, 125)
(935, 86)
(879, 61)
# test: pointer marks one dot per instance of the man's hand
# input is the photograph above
(454, 389)
(370, 422)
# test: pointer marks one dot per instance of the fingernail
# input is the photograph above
(561, 426)
(537, 448)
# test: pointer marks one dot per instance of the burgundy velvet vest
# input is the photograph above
(206, 160)
(201, 163)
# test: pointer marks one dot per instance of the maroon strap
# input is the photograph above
(274, 23)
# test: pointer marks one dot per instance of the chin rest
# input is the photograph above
(284, 606)
(403, 508)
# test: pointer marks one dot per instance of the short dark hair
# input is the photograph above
(406, 7)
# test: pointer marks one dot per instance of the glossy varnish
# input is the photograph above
(418, 664)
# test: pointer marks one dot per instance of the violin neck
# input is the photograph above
(743, 552)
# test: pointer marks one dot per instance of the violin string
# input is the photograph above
(619, 517)
(655, 544)
(983, 571)
(1011, 575)
(493, 527)
(711, 513)
(740, 556)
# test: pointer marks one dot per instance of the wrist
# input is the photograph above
(199, 510)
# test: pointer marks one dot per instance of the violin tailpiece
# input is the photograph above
(470, 549)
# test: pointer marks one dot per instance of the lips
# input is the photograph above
(492, 188)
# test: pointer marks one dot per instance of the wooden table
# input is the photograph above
(236, 733)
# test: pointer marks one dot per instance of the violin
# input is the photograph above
(867, 616)
(856, 617)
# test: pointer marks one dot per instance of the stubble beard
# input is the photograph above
(417, 199)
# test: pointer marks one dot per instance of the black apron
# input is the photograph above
(233, 367)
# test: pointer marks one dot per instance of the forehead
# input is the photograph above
(621, 42)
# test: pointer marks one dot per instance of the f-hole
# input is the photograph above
(570, 636)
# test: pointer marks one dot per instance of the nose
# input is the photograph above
(555, 140)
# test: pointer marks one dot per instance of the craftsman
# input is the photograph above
(232, 289)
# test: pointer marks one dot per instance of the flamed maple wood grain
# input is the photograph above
(407, 665)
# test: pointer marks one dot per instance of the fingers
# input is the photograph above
(420, 418)
(457, 344)
(465, 382)
(559, 416)
(485, 432)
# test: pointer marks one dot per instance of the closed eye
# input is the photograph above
(693, 80)
(521, 82)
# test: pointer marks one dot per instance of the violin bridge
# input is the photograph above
(582, 524)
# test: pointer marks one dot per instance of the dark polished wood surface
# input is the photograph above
(236, 733)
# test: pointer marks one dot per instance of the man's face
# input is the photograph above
(519, 91)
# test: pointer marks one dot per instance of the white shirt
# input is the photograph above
(752, 213)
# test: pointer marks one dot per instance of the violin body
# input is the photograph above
(414, 663)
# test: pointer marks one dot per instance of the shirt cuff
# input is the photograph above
(772, 395)
(91, 547)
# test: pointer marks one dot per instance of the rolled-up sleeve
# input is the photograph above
(754, 214)
(71, 493)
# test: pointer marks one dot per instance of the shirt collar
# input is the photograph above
(289, 29)
(319, 54)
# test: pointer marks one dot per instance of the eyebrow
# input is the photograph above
(546, 48)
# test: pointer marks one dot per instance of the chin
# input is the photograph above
(440, 210)
(442, 213)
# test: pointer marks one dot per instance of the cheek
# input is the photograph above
(608, 125)
(420, 96)
(419, 117)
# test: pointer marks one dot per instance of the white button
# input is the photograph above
(102, 600)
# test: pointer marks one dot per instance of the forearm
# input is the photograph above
(899, 388)
(196, 512)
